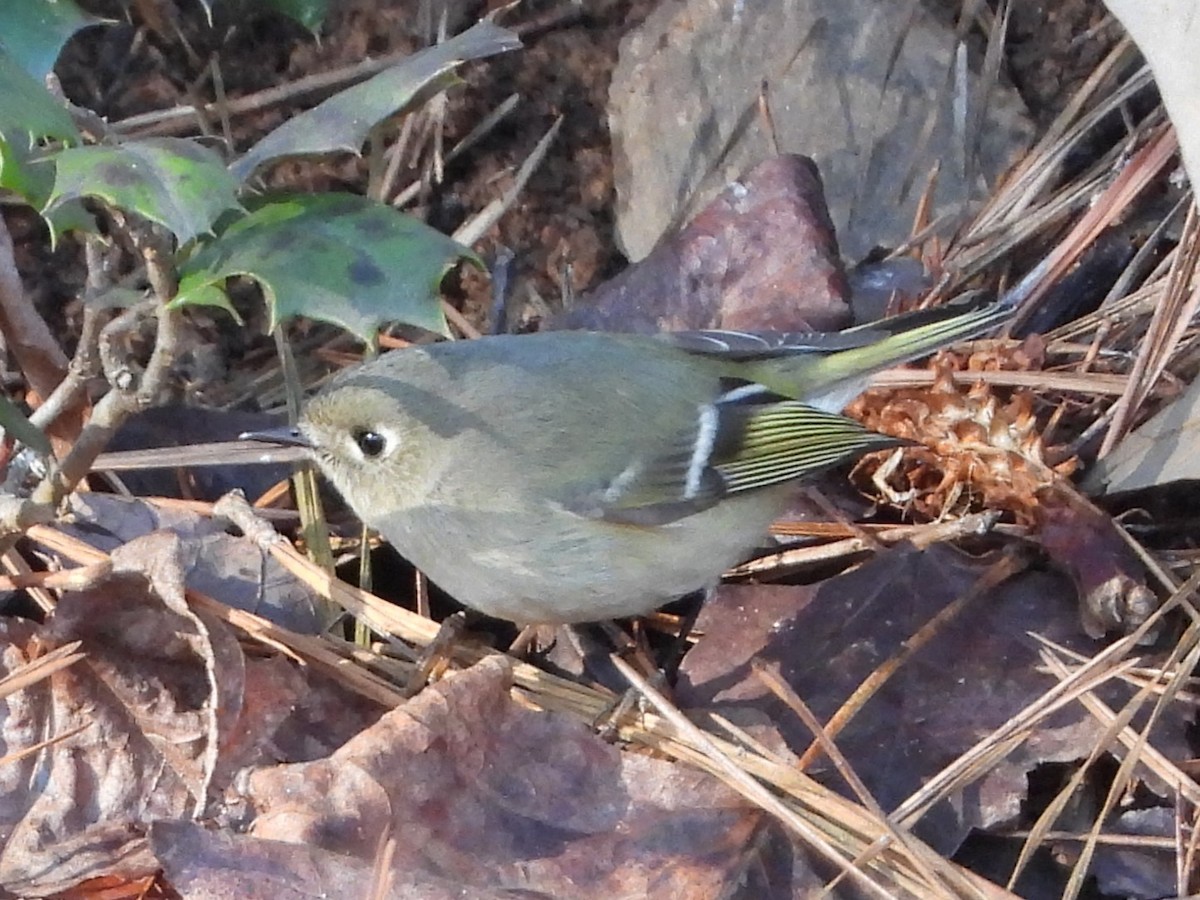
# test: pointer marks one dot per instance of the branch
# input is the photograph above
(27, 335)
(129, 394)
(85, 365)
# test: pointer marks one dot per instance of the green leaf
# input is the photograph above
(344, 120)
(34, 31)
(14, 423)
(201, 293)
(29, 173)
(27, 108)
(24, 172)
(177, 183)
(69, 216)
(335, 257)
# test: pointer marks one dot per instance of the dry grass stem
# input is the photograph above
(1138, 748)
(774, 682)
(10, 758)
(474, 228)
(736, 777)
(975, 524)
(185, 119)
(1171, 318)
(43, 667)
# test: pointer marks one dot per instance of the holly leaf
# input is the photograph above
(201, 293)
(336, 257)
(28, 172)
(33, 32)
(24, 172)
(27, 108)
(177, 183)
(344, 120)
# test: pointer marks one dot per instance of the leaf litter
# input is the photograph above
(943, 697)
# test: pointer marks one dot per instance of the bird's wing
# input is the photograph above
(746, 439)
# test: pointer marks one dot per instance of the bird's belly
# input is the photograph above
(553, 566)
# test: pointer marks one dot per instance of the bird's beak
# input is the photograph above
(288, 435)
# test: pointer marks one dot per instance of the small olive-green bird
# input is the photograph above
(575, 476)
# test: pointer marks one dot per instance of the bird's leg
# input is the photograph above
(502, 285)
(436, 656)
(609, 720)
(682, 640)
(661, 676)
(532, 639)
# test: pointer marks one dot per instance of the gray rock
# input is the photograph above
(684, 116)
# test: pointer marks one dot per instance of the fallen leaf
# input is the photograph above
(493, 795)
(201, 864)
(232, 569)
(979, 669)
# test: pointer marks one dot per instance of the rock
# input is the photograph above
(760, 257)
(685, 119)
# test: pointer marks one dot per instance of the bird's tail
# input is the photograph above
(828, 379)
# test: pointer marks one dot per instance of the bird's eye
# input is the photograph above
(371, 443)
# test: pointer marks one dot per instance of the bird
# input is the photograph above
(567, 477)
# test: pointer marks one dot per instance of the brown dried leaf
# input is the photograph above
(488, 793)
(235, 571)
(142, 702)
(166, 707)
(979, 669)
(317, 714)
(202, 864)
